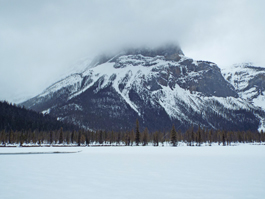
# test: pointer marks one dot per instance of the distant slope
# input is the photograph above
(18, 118)
(249, 82)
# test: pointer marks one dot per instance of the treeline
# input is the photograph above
(191, 137)
(16, 118)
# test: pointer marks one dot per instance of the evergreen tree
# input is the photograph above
(132, 137)
(173, 136)
(39, 141)
(51, 137)
(262, 136)
(92, 137)
(68, 137)
(118, 138)
(163, 138)
(83, 138)
(128, 138)
(219, 137)
(223, 137)
(145, 137)
(27, 139)
(179, 135)
(104, 135)
(156, 138)
(61, 136)
(100, 138)
(56, 137)
(3, 137)
(192, 137)
(11, 137)
(137, 133)
(188, 137)
(112, 137)
(21, 139)
(72, 137)
(199, 134)
(79, 138)
(229, 138)
(87, 138)
(33, 138)
(210, 137)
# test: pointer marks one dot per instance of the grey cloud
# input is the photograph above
(39, 39)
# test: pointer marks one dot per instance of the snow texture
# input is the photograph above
(260, 101)
(240, 76)
(134, 172)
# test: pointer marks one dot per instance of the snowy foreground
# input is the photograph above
(134, 172)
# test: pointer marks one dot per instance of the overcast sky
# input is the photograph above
(40, 41)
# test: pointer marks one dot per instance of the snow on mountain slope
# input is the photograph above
(249, 81)
(260, 101)
(159, 86)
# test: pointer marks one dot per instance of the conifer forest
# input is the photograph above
(27, 128)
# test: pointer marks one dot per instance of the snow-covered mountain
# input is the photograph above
(249, 82)
(158, 86)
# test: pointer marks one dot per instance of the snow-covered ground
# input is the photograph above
(134, 172)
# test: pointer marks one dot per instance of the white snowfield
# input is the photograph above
(134, 172)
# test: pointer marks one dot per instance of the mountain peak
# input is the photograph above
(171, 52)
(159, 86)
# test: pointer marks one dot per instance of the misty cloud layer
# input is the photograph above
(41, 40)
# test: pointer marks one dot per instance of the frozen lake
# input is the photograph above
(134, 172)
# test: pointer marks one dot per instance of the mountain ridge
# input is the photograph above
(159, 86)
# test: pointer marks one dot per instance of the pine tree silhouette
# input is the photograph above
(173, 136)
(137, 133)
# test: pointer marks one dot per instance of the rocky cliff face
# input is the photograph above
(248, 80)
(249, 83)
(159, 86)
